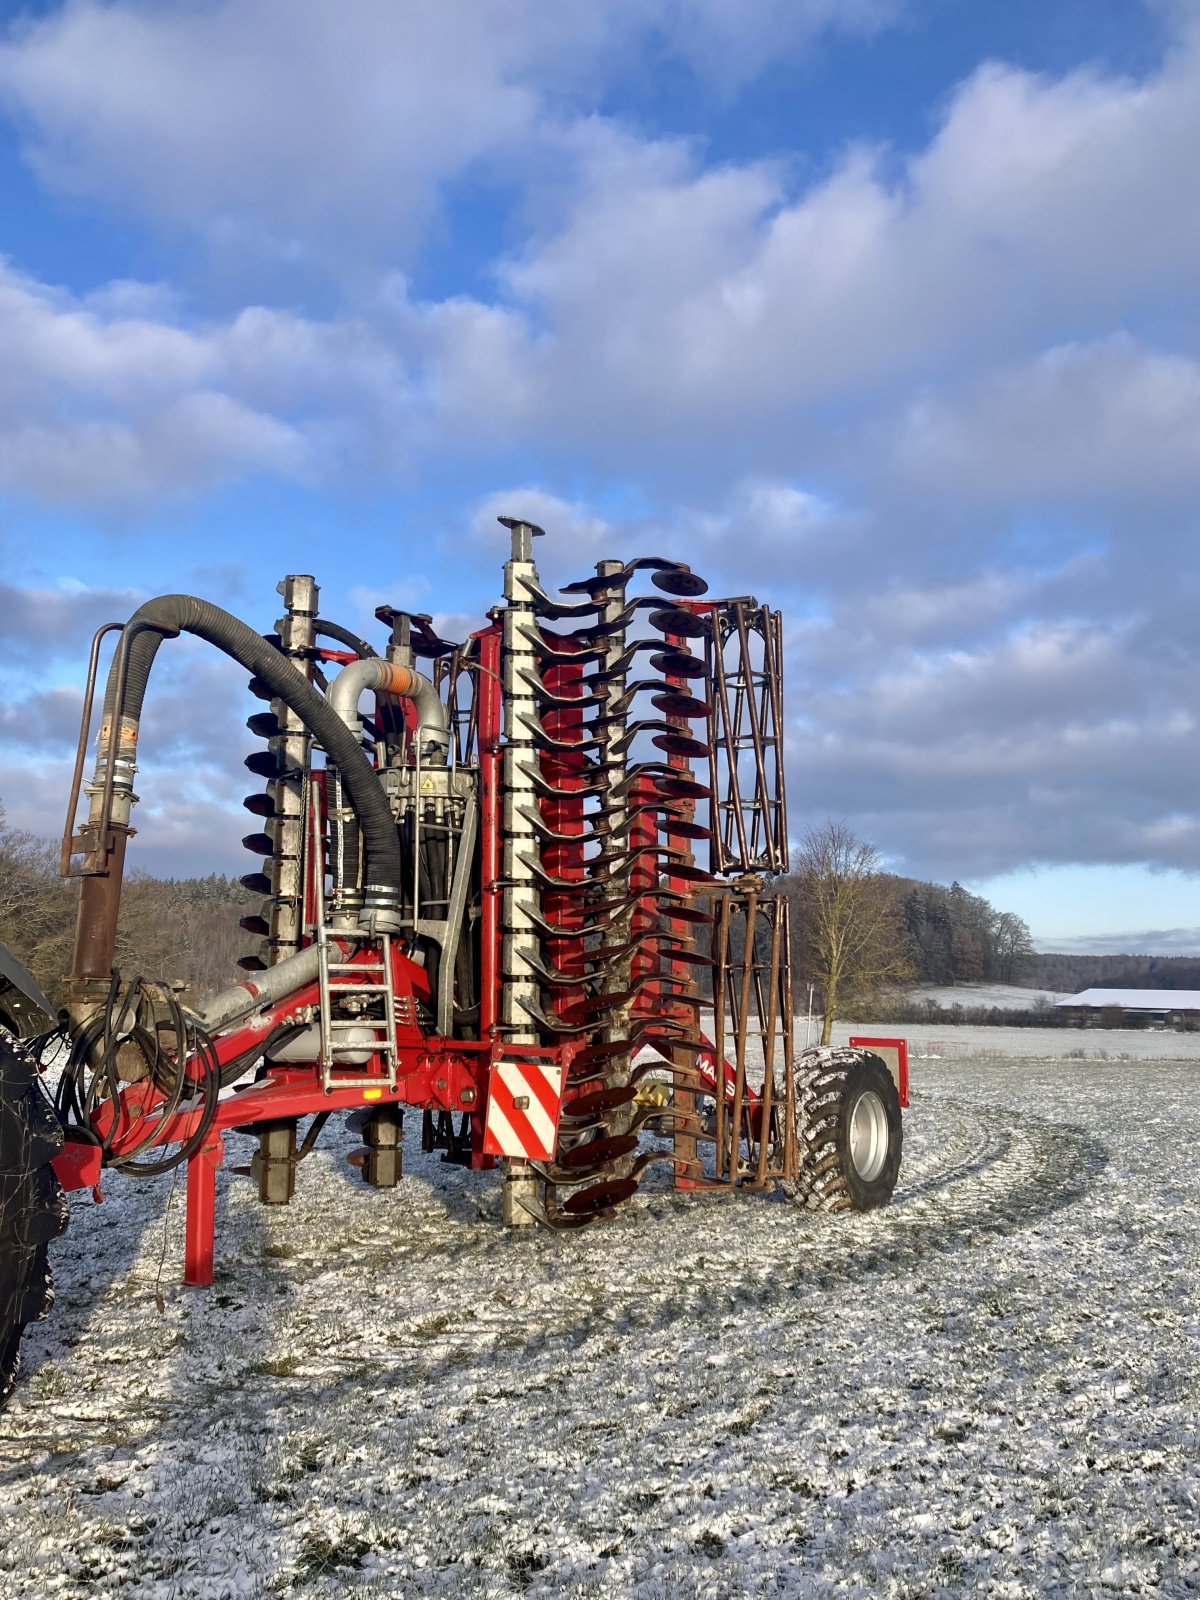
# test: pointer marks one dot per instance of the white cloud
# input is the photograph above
(1081, 422)
(311, 130)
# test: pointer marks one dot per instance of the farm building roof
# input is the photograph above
(1137, 999)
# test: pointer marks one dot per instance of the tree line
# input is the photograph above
(1068, 974)
(178, 929)
(857, 930)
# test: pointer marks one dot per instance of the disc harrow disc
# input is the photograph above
(682, 624)
(681, 788)
(599, 1197)
(678, 664)
(681, 582)
(681, 744)
(598, 1153)
(685, 830)
(603, 1050)
(598, 1101)
(674, 703)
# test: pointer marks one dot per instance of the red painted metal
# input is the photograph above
(200, 1223)
(490, 729)
(456, 1076)
(884, 1047)
(78, 1166)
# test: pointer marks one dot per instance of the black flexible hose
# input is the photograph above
(334, 630)
(171, 614)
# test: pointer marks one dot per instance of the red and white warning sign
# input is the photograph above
(522, 1113)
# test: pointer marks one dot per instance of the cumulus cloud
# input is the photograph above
(312, 131)
(105, 409)
(943, 406)
(1082, 423)
(675, 320)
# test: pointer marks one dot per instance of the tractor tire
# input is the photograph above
(33, 1209)
(849, 1131)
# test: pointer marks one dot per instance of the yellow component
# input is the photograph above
(650, 1092)
(372, 1094)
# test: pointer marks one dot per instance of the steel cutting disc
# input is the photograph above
(680, 744)
(683, 624)
(599, 1197)
(597, 1101)
(672, 703)
(680, 869)
(682, 913)
(681, 788)
(677, 580)
(598, 1004)
(678, 664)
(602, 1051)
(596, 1153)
(685, 830)
(692, 958)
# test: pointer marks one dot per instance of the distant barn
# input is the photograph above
(1134, 1008)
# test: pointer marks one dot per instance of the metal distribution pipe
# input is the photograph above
(389, 677)
(264, 989)
(432, 740)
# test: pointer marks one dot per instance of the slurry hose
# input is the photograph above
(165, 617)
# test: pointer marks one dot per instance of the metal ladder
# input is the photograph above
(382, 1029)
(371, 978)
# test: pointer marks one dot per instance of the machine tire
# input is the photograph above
(849, 1131)
(33, 1209)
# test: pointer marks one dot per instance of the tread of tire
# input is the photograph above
(33, 1210)
(821, 1075)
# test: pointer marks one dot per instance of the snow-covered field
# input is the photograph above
(932, 1041)
(988, 1389)
(1014, 996)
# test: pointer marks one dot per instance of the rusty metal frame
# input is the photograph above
(755, 1125)
(749, 819)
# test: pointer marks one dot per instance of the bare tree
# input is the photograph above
(1014, 945)
(852, 934)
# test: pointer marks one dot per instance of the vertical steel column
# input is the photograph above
(490, 729)
(520, 946)
(613, 756)
(292, 750)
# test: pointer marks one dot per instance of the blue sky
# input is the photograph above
(886, 310)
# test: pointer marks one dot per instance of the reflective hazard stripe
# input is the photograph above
(522, 1113)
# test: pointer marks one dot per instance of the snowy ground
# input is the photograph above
(988, 1389)
(1011, 995)
(933, 1041)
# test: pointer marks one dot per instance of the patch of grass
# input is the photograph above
(276, 1367)
(520, 1565)
(321, 1554)
(709, 1544)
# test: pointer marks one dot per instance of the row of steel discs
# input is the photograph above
(620, 721)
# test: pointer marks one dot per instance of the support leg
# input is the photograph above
(201, 1211)
(521, 1182)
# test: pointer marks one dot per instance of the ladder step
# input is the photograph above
(360, 1083)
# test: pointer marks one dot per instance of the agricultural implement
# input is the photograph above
(520, 885)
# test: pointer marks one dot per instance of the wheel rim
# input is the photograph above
(868, 1136)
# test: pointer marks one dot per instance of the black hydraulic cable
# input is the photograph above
(312, 1133)
(92, 1077)
(171, 614)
